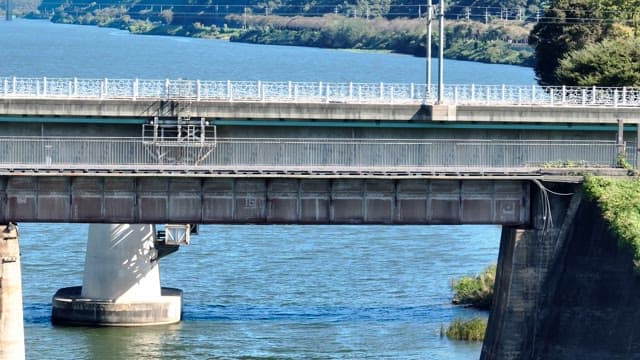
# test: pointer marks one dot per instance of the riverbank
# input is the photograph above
(501, 43)
(496, 42)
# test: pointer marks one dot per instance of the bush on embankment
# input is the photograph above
(475, 291)
(619, 200)
(467, 330)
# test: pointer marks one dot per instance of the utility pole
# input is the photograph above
(441, 53)
(8, 10)
(429, 36)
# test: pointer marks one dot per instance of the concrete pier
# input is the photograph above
(11, 320)
(121, 285)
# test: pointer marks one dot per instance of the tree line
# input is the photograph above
(570, 42)
(588, 43)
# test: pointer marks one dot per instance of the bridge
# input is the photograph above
(132, 100)
(119, 152)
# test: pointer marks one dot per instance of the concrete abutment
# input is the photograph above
(121, 284)
(566, 291)
(11, 318)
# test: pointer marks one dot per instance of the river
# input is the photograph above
(257, 292)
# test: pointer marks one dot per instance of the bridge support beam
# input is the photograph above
(11, 320)
(121, 285)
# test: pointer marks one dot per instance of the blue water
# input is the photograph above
(257, 292)
(276, 292)
(38, 48)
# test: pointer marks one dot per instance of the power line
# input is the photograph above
(477, 13)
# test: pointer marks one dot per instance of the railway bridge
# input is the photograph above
(146, 161)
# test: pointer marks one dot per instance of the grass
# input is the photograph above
(467, 330)
(475, 291)
(619, 200)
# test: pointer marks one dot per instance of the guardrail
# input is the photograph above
(313, 155)
(315, 92)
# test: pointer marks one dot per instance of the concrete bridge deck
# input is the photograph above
(277, 101)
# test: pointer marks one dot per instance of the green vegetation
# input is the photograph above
(588, 43)
(619, 200)
(476, 291)
(565, 164)
(467, 330)
(613, 62)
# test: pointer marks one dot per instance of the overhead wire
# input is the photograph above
(477, 13)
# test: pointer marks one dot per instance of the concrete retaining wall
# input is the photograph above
(567, 292)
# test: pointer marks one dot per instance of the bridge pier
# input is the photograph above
(121, 284)
(11, 320)
(564, 290)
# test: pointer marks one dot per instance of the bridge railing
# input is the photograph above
(315, 92)
(312, 155)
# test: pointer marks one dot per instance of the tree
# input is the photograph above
(567, 25)
(614, 62)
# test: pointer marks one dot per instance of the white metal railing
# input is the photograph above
(134, 154)
(316, 92)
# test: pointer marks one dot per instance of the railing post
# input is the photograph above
(637, 145)
(350, 91)
(295, 91)
(37, 87)
(391, 95)
(473, 93)
(135, 89)
(198, 90)
(320, 87)
(327, 93)
(103, 88)
(488, 99)
(260, 95)
(593, 95)
(412, 91)
(551, 93)
(615, 97)
(381, 91)
(533, 94)
(504, 90)
(229, 90)
(620, 144)
(75, 86)
(14, 85)
(584, 96)
(44, 86)
(564, 94)
(455, 94)
(166, 89)
(519, 96)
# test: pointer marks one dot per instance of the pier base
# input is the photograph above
(121, 285)
(11, 321)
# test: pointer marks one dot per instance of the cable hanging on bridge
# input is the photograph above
(547, 216)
